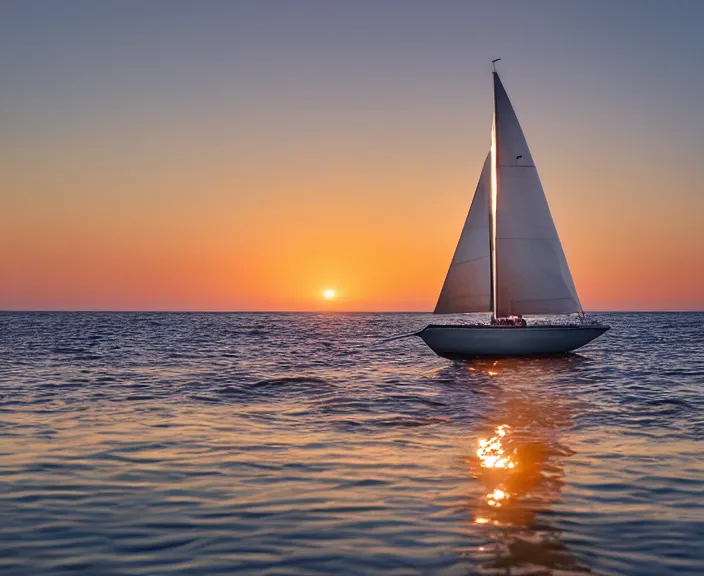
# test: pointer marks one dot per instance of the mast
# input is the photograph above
(495, 175)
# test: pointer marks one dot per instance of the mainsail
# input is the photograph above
(466, 287)
(531, 274)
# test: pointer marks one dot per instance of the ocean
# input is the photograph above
(166, 443)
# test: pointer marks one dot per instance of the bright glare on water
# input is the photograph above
(154, 444)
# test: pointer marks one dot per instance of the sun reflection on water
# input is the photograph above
(497, 464)
(491, 452)
(518, 464)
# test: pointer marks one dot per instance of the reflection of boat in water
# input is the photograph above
(518, 464)
(538, 371)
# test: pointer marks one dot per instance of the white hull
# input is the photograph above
(462, 341)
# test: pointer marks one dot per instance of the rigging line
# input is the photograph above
(458, 263)
(545, 239)
(399, 337)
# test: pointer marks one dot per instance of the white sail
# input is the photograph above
(467, 285)
(532, 275)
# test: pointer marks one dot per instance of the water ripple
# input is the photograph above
(139, 443)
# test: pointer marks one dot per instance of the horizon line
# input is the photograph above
(164, 311)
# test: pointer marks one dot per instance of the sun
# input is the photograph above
(329, 293)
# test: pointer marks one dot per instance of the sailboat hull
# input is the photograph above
(462, 341)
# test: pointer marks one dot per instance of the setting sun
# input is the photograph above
(329, 293)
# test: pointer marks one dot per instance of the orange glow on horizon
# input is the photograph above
(95, 231)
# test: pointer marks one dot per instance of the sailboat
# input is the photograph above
(509, 260)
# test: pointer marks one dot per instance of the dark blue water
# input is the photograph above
(158, 444)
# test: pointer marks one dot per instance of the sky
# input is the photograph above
(247, 155)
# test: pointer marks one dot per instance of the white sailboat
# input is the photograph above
(509, 260)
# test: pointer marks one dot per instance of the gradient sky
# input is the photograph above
(223, 155)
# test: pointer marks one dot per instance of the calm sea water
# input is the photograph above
(207, 444)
